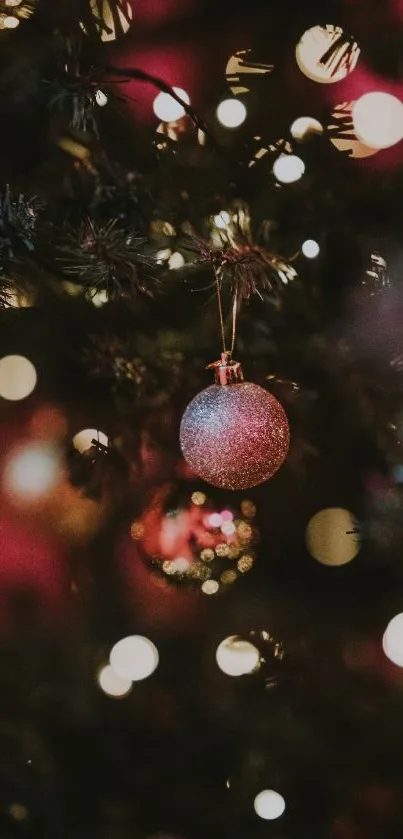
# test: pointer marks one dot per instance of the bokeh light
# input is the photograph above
(324, 56)
(392, 641)
(82, 441)
(332, 536)
(231, 113)
(32, 471)
(269, 804)
(134, 658)
(11, 22)
(378, 119)
(288, 168)
(112, 684)
(210, 587)
(304, 127)
(17, 377)
(167, 109)
(310, 249)
(101, 98)
(237, 657)
(176, 260)
(222, 220)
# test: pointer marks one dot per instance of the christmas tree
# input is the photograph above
(201, 403)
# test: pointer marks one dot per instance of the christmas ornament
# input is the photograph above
(193, 537)
(234, 434)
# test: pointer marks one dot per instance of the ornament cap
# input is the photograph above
(226, 371)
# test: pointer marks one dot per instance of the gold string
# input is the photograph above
(218, 278)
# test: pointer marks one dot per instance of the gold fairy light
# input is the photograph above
(245, 563)
(198, 498)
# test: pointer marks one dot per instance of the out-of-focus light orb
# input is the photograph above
(231, 113)
(199, 498)
(13, 2)
(18, 812)
(315, 45)
(310, 248)
(167, 109)
(237, 657)
(228, 528)
(392, 641)
(32, 471)
(112, 684)
(222, 220)
(101, 98)
(288, 168)
(82, 441)
(210, 587)
(99, 298)
(304, 127)
(341, 135)
(215, 520)
(269, 804)
(175, 261)
(17, 377)
(10, 22)
(378, 119)
(332, 536)
(134, 658)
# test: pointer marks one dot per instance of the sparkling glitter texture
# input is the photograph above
(234, 436)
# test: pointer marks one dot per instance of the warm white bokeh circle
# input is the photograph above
(11, 22)
(392, 641)
(310, 248)
(167, 109)
(101, 98)
(269, 804)
(378, 119)
(288, 168)
(311, 48)
(237, 657)
(304, 127)
(231, 113)
(343, 138)
(32, 471)
(134, 658)
(112, 684)
(17, 377)
(82, 441)
(330, 536)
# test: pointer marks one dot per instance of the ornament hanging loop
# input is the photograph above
(226, 371)
(228, 353)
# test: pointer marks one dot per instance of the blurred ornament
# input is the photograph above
(107, 19)
(378, 119)
(342, 135)
(109, 257)
(190, 536)
(12, 12)
(234, 434)
(332, 536)
(326, 54)
(241, 71)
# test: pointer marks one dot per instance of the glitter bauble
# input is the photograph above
(234, 436)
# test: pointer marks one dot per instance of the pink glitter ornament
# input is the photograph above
(234, 434)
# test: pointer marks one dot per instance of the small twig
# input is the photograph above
(160, 84)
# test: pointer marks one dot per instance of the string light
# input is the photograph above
(32, 472)
(231, 113)
(288, 168)
(310, 249)
(82, 441)
(112, 684)
(332, 536)
(378, 119)
(134, 658)
(237, 657)
(392, 641)
(167, 109)
(269, 804)
(101, 98)
(17, 377)
(303, 127)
